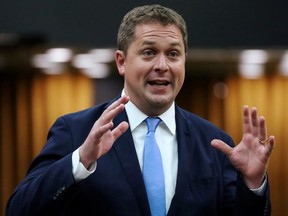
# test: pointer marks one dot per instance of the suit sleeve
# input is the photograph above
(248, 203)
(49, 180)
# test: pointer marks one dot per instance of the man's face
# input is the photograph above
(154, 67)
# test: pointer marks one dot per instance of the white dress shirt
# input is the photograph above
(165, 136)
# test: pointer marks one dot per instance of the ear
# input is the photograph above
(120, 61)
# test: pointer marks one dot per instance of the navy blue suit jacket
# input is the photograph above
(206, 185)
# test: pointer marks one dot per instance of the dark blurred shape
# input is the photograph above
(16, 51)
(12, 40)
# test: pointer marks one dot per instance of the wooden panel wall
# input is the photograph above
(29, 106)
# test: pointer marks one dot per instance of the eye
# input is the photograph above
(173, 54)
(148, 53)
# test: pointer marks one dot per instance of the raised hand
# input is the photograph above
(251, 155)
(101, 138)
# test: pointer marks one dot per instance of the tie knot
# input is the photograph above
(152, 123)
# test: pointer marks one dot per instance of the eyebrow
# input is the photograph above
(174, 44)
(148, 43)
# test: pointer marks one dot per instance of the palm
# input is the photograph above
(250, 156)
(103, 135)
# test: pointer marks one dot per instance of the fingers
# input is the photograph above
(246, 120)
(114, 109)
(99, 132)
(253, 124)
(254, 121)
(120, 129)
(270, 146)
(105, 122)
(122, 100)
(111, 112)
(221, 146)
(262, 129)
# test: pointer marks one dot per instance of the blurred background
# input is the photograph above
(57, 57)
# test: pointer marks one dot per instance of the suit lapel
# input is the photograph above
(126, 153)
(186, 148)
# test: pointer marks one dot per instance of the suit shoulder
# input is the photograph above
(195, 119)
(201, 124)
(85, 116)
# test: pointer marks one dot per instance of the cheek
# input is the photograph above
(133, 77)
(179, 80)
(179, 75)
(136, 71)
(182, 78)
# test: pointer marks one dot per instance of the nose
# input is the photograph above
(161, 64)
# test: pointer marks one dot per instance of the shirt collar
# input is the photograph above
(136, 117)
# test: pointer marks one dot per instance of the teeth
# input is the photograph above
(158, 82)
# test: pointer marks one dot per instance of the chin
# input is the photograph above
(161, 102)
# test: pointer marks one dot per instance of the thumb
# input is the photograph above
(222, 146)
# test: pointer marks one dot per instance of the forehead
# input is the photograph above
(157, 31)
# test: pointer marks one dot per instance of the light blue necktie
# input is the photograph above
(153, 170)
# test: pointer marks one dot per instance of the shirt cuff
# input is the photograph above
(78, 169)
(261, 190)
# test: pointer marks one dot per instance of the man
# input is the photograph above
(92, 162)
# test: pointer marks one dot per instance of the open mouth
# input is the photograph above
(159, 83)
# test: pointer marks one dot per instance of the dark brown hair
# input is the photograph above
(148, 14)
